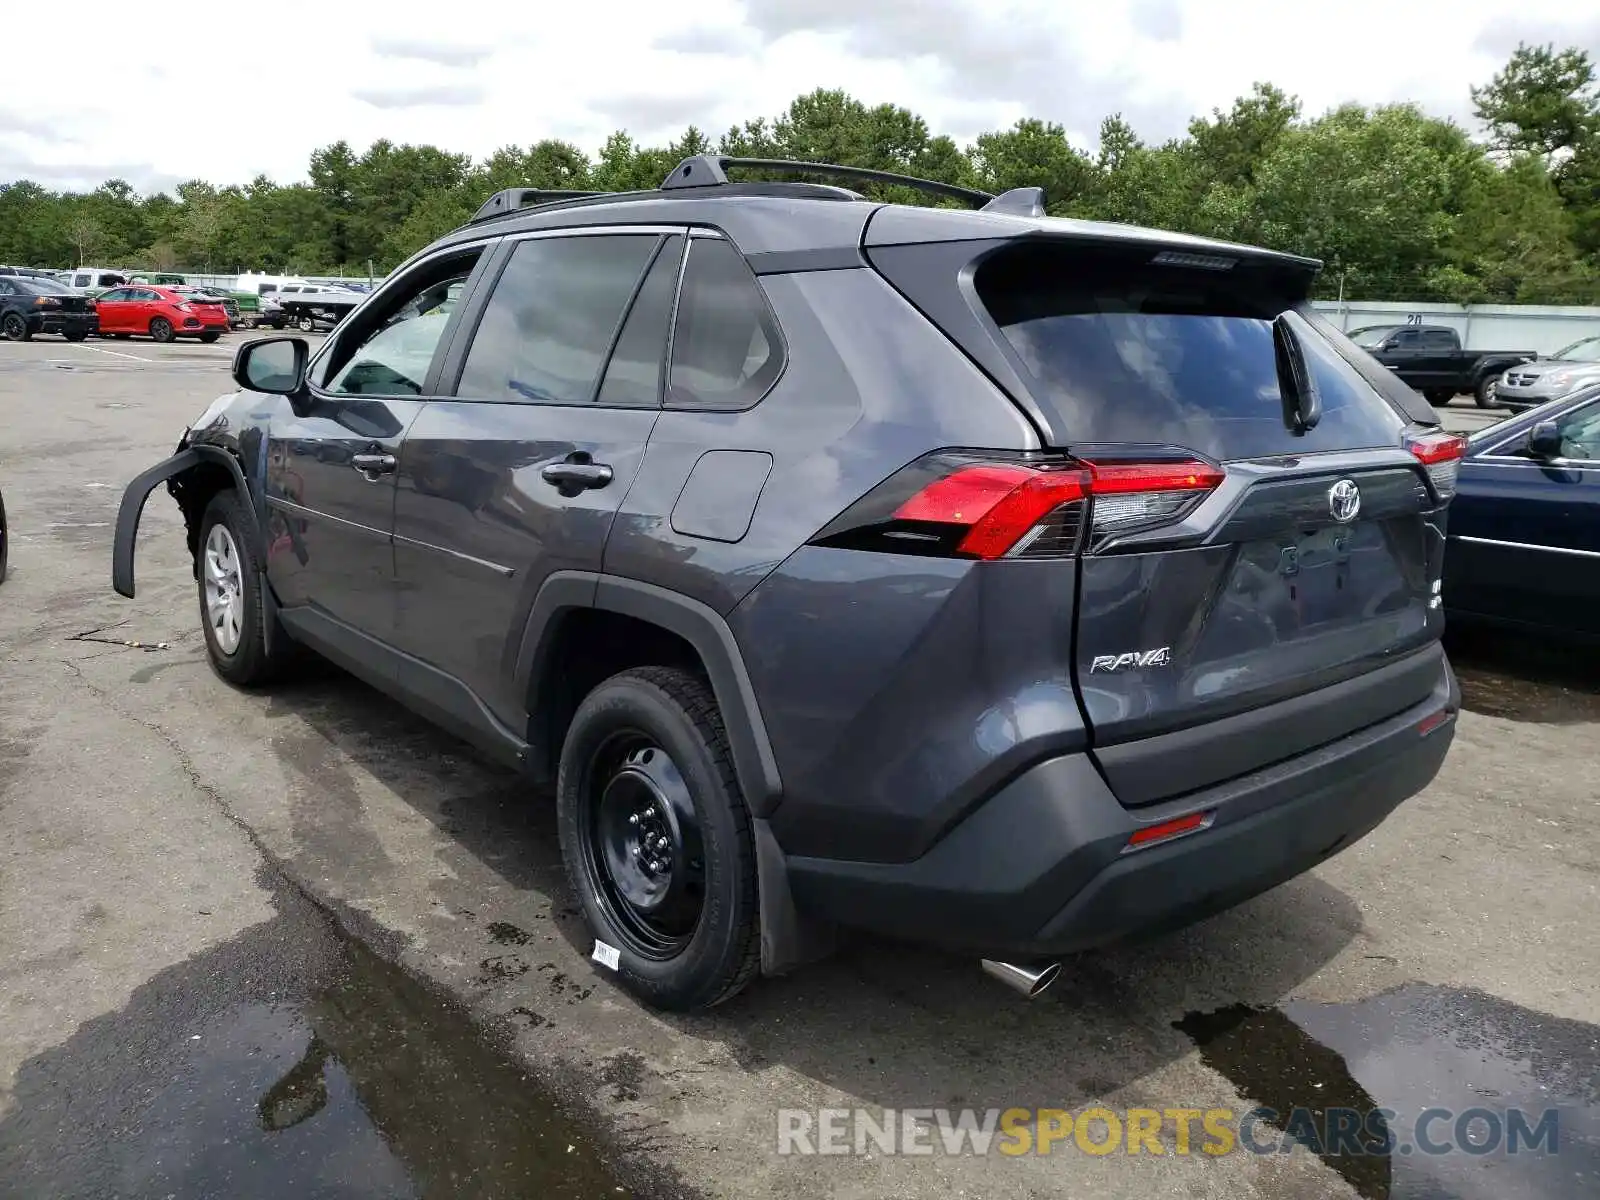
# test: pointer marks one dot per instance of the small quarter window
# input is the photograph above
(726, 349)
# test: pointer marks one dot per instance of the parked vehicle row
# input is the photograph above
(666, 482)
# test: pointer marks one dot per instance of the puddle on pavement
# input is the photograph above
(1407, 1051)
(289, 1061)
(1515, 677)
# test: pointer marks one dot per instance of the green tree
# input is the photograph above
(1543, 102)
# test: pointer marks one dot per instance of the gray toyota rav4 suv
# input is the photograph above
(1008, 583)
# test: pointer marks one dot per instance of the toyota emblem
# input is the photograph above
(1344, 501)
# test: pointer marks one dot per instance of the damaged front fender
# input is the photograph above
(137, 492)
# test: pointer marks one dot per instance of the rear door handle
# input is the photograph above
(576, 474)
(373, 464)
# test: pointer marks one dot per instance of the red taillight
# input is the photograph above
(1000, 504)
(1441, 453)
(969, 505)
(1165, 831)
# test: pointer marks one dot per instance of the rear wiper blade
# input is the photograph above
(1302, 401)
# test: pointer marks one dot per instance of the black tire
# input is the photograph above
(615, 736)
(306, 324)
(161, 329)
(1439, 397)
(247, 663)
(1484, 393)
(210, 337)
(121, 337)
(76, 335)
(14, 328)
(5, 540)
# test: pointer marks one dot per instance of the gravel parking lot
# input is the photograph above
(299, 943)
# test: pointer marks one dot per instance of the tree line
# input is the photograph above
(1399, 204)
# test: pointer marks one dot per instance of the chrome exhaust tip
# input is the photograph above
(1029, 981)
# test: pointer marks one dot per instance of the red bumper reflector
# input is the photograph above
(1165, 831)
(1432, 721)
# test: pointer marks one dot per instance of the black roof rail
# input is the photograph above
(511, 199)
(710, 170)
(1018, 202)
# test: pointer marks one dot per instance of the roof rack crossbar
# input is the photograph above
(511, 199)
(709, 170)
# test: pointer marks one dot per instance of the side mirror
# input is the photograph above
(276, 366)
(1545, 440)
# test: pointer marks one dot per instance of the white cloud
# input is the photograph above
(185, 99)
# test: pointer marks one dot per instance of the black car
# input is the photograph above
(1011, 583)
(29, 306)
(1524, 545)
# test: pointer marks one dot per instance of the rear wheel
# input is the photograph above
(306, 324)
(657, 840)
(161, 329)
(210, 337)
(5, 540)
(1439, 397)
(232, 616)
(15, 328)
(76, 335)
(1486, 390)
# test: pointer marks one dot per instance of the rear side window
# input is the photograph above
(1131, 352)
(551, 318)
(633, 376)
(726, 349)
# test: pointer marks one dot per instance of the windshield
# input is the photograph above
(1583, 350)
(1370, 337)
(47, 287)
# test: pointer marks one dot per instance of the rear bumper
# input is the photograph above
(64, 322)
(1041, 869)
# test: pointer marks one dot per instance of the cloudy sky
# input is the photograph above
(113, 93)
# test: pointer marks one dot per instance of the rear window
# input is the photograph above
(1131, 352)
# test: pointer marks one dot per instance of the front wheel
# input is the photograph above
(657, 839)
(232, 615)
(15, 328)
(210, 337)
(306, 324)
(76, 335)
(161, 330)
(1439, 397)
(1488, 387)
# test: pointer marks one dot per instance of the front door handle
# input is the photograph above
(575, 474)
(373, 463)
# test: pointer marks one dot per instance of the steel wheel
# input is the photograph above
(642, 846)
(224, 589)
(15, 328)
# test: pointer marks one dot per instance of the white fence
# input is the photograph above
(1537, 327)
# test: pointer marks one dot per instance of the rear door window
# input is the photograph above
(552, 317)
(633, 376)
(1125, 351)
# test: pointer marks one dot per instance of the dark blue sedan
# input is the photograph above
(1524, 544)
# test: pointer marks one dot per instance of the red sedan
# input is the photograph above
(162, 312)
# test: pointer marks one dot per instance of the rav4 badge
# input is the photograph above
(1161, 657)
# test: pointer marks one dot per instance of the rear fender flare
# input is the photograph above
(787, 937)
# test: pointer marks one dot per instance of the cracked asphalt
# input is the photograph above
(299, 942)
